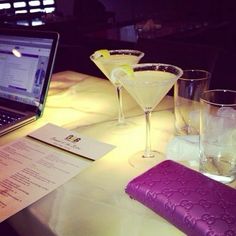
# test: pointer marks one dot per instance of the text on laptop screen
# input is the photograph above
(23, 64)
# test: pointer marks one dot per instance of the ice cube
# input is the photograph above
(227, 112)
(229, 138)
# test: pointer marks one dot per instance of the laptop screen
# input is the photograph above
(25, 65)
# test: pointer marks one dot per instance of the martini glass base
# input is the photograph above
(139, 161)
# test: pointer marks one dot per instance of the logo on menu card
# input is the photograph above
(72, 138)
(69, 142)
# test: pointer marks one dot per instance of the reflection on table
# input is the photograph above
(94, 202)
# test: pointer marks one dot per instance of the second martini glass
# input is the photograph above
(147, 84)
(107, 60)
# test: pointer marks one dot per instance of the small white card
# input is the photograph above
(71, 141)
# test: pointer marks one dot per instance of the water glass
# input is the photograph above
(187, 91)
(218, 135)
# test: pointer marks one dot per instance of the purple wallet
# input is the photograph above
(192, 202)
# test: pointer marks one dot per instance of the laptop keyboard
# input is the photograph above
(7, 117)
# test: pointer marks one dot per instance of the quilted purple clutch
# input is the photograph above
(194, 203)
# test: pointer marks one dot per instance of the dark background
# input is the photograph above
(203, 37)
(194, 34)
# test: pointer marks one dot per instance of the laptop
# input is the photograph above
(26, 65)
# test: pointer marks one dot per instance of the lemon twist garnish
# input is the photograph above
(128, 70)
(120, 72)
(101, 53)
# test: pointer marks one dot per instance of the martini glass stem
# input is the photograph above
(121, 117)
(148, 152)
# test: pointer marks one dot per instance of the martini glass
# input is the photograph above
(147, 84)
(107, 60)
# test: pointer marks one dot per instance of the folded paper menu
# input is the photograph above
(30, 169)
(194, 203)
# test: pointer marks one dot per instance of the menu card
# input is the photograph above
(30, 169)
(71, 141)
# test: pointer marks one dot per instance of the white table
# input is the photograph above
(94, 202)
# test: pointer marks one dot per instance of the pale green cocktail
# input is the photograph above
(147, 84)
(107, 60)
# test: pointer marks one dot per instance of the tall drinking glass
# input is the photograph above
(187, 91)
(147, 84)
(218, 134)
(107, 60)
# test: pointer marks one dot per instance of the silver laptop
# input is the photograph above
(26, 64)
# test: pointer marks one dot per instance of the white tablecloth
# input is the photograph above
(94, 202)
